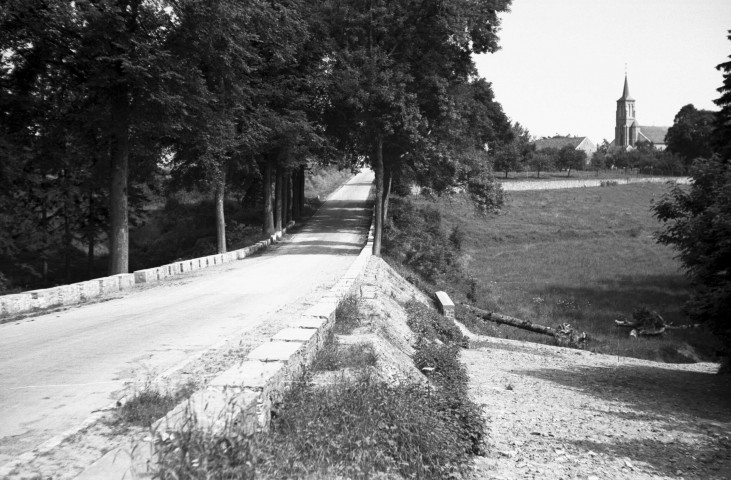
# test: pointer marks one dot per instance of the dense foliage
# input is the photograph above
(690, 134)
(105, 104)
(698, 224)
(415, 237)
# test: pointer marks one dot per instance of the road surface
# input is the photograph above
(58, 368)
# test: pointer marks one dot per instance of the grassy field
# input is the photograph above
(583, 256)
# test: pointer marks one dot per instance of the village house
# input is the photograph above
(558, 142)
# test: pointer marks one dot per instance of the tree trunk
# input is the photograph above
(512, 321)
(278, 201)
(119, 154)
(386, 196)
(268, 223)
(378, 167)
(288, 197)
(90, 235)
(295, 194)
(220, 195)
(301, 190)
(67, 238)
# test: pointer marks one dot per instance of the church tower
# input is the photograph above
(625, 134)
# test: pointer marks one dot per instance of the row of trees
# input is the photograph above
(98, 95)
(520, 154)
(687, 139)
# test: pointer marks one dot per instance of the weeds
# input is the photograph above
(148, 405)
(334, 356)
(358, 428)
(429, 325)
(437, 355)
(347, 315)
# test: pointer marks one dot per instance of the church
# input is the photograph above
(627, 132)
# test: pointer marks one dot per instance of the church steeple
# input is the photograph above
(626, 127)
(625, 93)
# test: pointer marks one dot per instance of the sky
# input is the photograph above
(562, 63)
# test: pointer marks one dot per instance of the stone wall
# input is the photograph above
(37, 300)
(523, 185)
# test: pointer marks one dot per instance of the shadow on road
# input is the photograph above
(335, 218)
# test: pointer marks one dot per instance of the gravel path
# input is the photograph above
(557, 413)
(522, 185)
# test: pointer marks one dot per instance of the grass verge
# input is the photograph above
(357, 427)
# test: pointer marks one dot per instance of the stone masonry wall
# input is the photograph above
(37, 300)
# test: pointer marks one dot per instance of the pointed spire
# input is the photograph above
(625, 93)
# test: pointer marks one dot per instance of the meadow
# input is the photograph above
(583, 256)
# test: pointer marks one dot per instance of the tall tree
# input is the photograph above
(690, 134)
(571, 158)
(721, 136)
(514, 154)
(697, 223)
(393, 65)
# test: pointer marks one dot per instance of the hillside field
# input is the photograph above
(584, 256)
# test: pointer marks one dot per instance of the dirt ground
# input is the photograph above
(557, 413)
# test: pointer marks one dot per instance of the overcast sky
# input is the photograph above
(562, 63)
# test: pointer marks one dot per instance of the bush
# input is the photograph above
(486, 193)
(437, 356)
(697, 223)
(430, 325)
(414, 237)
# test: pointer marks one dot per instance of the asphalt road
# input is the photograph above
(56, 369)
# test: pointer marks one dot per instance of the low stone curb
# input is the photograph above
(526, 185)
(244, 395)
(76, 293)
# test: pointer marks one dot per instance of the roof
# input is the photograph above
(625, 93)
(558, 142)
(655, 135)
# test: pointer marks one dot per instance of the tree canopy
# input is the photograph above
(697, 223)
(106, 101)
(690, 134)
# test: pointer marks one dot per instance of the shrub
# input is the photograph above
(414, 237)
(430, 325)
(486, 193)
(440, 363)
